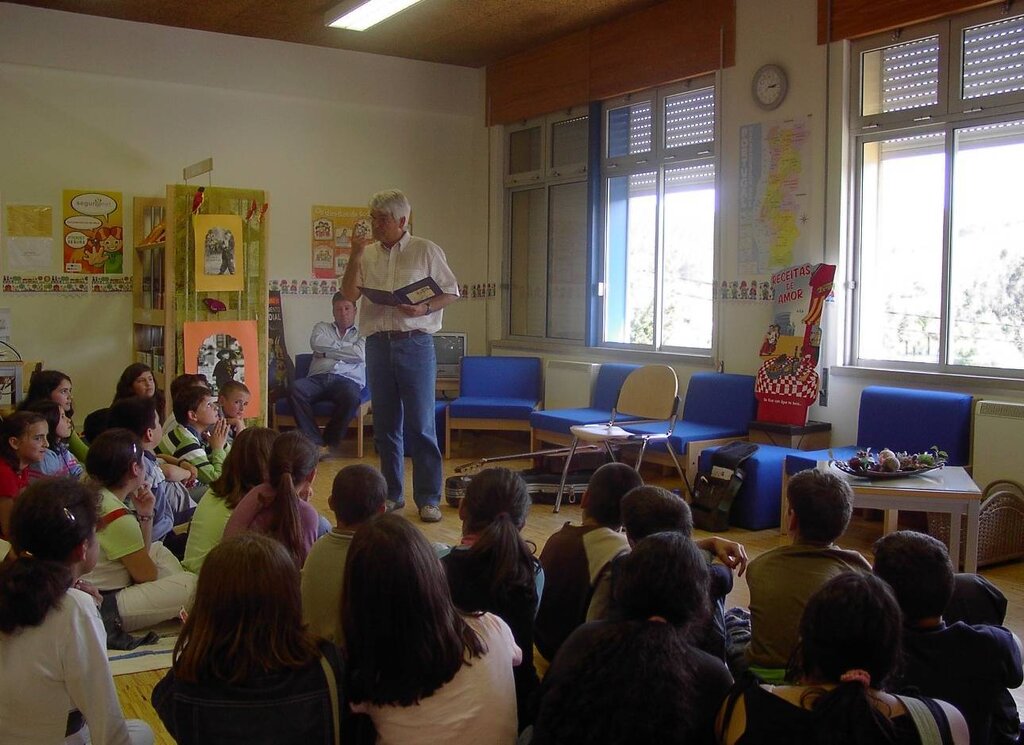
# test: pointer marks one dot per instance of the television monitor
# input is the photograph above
(450, 348)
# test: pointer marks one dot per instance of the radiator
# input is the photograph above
(568, 385)
(998, 442)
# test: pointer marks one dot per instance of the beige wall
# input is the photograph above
(89, 102)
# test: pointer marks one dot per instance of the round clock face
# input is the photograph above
(769, 86)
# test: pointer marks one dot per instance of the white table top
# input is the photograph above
(950, 481)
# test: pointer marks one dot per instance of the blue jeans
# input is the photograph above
(401, 374)
(339, 390)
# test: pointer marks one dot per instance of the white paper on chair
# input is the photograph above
(600, 432)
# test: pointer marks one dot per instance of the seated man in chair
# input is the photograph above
(337, 374)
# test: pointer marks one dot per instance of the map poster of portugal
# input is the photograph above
(774, 194)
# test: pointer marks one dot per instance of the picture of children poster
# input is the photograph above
(332, 229)
(223, 351)
(93, 232)
(220, 252)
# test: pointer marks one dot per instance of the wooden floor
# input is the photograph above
(134, 690)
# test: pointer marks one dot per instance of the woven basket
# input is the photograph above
(1001, 524)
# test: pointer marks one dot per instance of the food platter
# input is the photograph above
(882, 475)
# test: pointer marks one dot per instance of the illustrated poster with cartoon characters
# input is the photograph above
(93, 232)
(787, 382)
(332, 231)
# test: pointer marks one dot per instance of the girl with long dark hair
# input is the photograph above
(137, 380)
(423, 671)
(245, 668)
(493, 569)
(54, 676)
(57, 460)
(23, 442)
(850, 643)
(54, 385)
(280, 506)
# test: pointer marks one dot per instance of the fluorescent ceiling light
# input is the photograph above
(366, 14)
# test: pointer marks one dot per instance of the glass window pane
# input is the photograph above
(632, 218)
(901, 249)
(690, 118)
(903, 76)
(994, 58)
(987, 243)
(524, 151)
(567, 265)
(569, 142)
(528, 263)
(630, 129)
(689, 263)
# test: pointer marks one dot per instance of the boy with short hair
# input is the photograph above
(173, 505)
(576, 557)
(357, 495)
(970, 666)
(233, 397)
(196, 411)
(178, 385)
(782, 580)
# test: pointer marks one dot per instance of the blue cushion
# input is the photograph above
(720, 398)
(302, 363)
(560, 420)
(759, 500)
(610, 377)
(490, 407)
(914, 420)
(501, 377)
(686, 432)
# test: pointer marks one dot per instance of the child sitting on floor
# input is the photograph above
(22, 443)
(233, 398)
(58, 460)
(196, 411)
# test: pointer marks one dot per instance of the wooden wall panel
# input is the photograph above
(540, 81)
(854, 18)
(673, 40)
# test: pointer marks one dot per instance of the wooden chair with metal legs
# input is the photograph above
(649, 394)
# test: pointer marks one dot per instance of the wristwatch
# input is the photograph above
(428, 308)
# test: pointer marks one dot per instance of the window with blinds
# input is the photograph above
(938, 144)
(690, 118)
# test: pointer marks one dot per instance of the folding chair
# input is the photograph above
(649, 394)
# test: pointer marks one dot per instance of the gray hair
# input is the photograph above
(392, 202)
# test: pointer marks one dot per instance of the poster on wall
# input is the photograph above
(787, 382)
(774, 194)
(332, 229)
(93, 232)
(29, 238)
(282, 370)
(223, 351)
(220, 253)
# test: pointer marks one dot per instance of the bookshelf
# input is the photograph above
(152, 290)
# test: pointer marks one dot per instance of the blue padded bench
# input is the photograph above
(495, 393)
(284, 415)
(757, 504)
(717, 409)
(552, 425)
(900, 419)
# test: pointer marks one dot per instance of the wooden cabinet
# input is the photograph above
(152, 290)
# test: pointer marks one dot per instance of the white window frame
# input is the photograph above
(951, 113)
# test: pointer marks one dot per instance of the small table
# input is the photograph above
(948, 489)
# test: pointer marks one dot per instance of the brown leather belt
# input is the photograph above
(396, 335)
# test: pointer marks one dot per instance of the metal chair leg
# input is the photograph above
(611, 452)
(565, 474)
(679, 468)
(640, 455)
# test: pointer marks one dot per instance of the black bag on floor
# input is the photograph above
(715, 490)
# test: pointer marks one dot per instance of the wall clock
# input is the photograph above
(769, 86)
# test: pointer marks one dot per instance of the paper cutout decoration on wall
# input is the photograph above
(787, 382)
(222, 351)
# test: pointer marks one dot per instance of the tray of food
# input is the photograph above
(887, 464)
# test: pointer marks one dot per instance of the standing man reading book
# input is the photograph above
(400, 366)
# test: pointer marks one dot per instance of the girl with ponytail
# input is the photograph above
(850, 643)
(280, 506)
(54, 676)
(493, 569)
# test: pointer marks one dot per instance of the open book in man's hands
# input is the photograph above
(417, 292)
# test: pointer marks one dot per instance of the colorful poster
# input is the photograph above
(282, 370)
(220, 253)
(787, 383)
(223, 351)
(93, 232)
(774, 194)
(332, 229)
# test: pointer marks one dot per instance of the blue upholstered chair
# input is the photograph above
(717, 409)
(552, 425)
(284, 415)
(495, 393)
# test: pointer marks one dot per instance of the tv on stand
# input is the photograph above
(450, 348)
